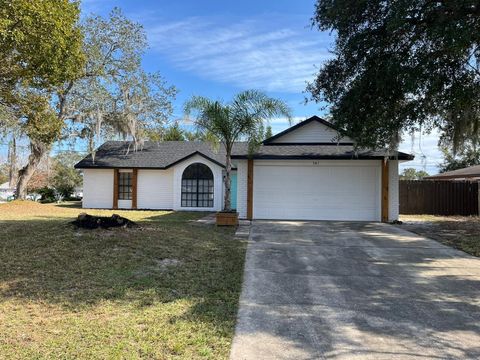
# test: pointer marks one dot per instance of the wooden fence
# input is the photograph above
(439, 197)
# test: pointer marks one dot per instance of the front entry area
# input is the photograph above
(317, 190)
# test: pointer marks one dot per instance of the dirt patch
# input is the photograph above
(159, 266)
(164, 264)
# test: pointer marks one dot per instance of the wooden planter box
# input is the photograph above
(227, 218)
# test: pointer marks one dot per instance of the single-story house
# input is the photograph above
(471, 173)
(307, 172)
(6, 191)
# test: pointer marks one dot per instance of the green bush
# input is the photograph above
(64, 190)
(48, 194)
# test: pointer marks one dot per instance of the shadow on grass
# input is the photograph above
(177, 216)
(168, 258)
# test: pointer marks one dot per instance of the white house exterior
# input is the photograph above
(307, 172)
(6, 191)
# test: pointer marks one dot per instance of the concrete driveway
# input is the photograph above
(341, 290)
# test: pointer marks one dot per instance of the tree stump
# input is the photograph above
(86, 221)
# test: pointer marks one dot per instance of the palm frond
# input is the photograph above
(243, 118)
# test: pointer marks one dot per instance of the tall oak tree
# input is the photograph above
(401, 65)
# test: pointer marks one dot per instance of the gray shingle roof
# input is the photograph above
(469, 172)
(332, 151)
(158, 155)
(162, 155)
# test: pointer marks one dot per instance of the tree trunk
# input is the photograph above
(12, 160)
(38, 150)
(227, 181)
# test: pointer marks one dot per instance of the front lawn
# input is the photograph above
(460, 232)
(168, 289)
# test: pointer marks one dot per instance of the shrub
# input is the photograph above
(48, 194)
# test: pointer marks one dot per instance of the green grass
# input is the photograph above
(469, 244)
(109, 294)
(460, 232)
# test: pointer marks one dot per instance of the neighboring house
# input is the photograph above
(471, 173)
(305, 173)
(6, 191)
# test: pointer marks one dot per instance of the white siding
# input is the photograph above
(242, 170)
(317, 190)
(393, 197)
(124, 204)
(217, 178)
(97, 188)
(155, 189)
(313, 132)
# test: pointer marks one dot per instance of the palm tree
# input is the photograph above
(242, 118)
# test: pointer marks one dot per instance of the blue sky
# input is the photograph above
(217, 48)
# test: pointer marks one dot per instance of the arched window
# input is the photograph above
(197, 186)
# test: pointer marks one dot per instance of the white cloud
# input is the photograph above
(246, 54)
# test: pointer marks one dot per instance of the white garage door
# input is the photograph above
(317, 190)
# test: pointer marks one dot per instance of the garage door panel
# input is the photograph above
(316, 192)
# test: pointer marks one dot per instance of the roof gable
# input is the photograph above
(313, 130)
(5, 186)
(193, 154)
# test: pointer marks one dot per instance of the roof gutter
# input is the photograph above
(320, 157)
